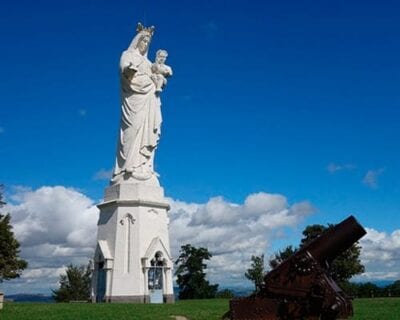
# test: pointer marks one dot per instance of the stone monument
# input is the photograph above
(132, 261)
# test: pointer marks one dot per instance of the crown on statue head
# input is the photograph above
(149, 30)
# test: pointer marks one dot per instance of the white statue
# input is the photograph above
(140, 113)
(161, 70)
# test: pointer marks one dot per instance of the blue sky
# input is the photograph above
(298, 98)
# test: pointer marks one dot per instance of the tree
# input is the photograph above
(74, 284)
(256, 271)
(346, 264)
(11, 265)
(281, 256)
(190, 275)
(394, 288)
(225, 294)
(368, 290)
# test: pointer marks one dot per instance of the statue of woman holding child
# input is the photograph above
(141, 84)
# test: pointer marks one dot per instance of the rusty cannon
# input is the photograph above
(301, 287)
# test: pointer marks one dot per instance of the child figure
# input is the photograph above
(161, 70)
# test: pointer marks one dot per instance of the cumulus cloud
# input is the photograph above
(103, 174)
(381, 255)
(335, 167)
(233, 232)
(56, 226)
(371, 178)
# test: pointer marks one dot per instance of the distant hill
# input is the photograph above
(241, 291)
(237, 291)
(382, 283)
(29, 298)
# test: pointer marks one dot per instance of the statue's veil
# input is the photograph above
(139, 36)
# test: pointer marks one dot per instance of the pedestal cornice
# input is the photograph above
(134, 194)
(135, 203)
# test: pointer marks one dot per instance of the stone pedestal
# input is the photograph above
(132, 238)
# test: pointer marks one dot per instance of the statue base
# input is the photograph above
(132, 261)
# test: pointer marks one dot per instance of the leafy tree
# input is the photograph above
(11, 265)
(225, 294)
(190, 275)
(346, 264)
(256, 271)
(371, 290)
(281, 256)
(312, 232)
(74, 285)
(368, 290)
(394, 288)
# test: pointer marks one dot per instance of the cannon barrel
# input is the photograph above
(335, 240)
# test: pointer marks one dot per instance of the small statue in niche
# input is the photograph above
(161, 70)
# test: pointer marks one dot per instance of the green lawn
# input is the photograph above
(194, 310)
(365, 309)
(377, 309)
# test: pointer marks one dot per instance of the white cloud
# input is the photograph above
(371, 178)
(381, 255)
(253, 228)
(103, 174)
(335, 167)
(18, 192)
(53, 215)
(43, 273)
(233, 232)
(56, 226)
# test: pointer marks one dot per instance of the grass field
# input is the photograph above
(377, 309)
(365, 309)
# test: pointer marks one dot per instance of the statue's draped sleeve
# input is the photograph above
(136, 78)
